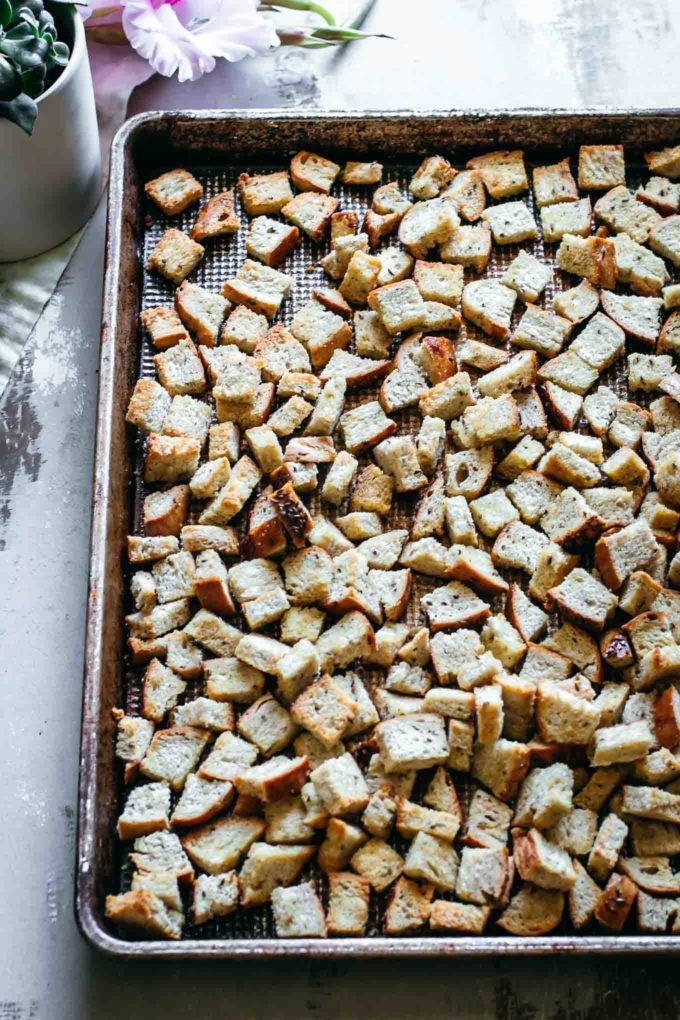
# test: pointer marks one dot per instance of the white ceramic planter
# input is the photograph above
(50, 180)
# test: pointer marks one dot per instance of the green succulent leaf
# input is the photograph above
(34, 81)
(58, 55)
(34, 6)
(6, 12)
(22, 111)
(10, 80)
(24, 48)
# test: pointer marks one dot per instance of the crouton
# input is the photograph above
(467, 191)
(453, 605)
(260, 288)
(173, 754)
(175, 256)
(501, 766)
(608, 844)
(591, 257)
(267, 868)
(510, 222)
(489, 304)
(533, 911)
(149, 406)
(264, 194)
(348, 902)
(398, 457)
(174, 191)
(428, 223)
(542, 863)
(503, 173)
(664, 239)
(468, 246)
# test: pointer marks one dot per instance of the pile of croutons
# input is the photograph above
(300, 744)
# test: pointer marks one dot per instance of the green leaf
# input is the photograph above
(22, 111)
(23, 48)
(58, 54)
(34, 81)
(10, 80)
(5, 13)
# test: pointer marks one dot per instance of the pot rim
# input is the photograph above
(74, 58)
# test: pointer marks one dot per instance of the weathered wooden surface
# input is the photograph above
(495, 53)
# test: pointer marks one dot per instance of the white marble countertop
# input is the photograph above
(447, 53)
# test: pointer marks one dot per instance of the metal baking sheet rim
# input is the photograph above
(493, 126)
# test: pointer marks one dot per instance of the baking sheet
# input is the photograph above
(262, 142)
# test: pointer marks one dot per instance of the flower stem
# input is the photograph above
(303, 5)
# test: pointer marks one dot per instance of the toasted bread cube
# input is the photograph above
(268, 868)
(533, 911)
(166, 511)
(467, 191)
(170, 458)
(664, 239)
(321, 332)
(438, 281)
(311, 213)
(218, 846)
(339, 478)
(661, 194)
(638, 316)
(601, 167)
(188, 417)
(553, 184)
(527, 276)
(215, 896)
(664, 161)
(428, 223)
(622, 212)
(259, 287)
(489, 304)
(180, 369)
(161, 689)
(408, 908)
(174, 191)
(468, 246)
(431, 177)
(361, 173)
(142, 911)
(447, 399)
(146, 810)
(210, 584)
(216, 217)
(541, 863)
(310, 172)
(583, 599)
(244, 328)
(566, 218)
(415, 741)
(298, 912)
(347, 903)
(432, 860)
(510, 222)
(173, 754)
(164, 327)
(591, 257)
(600, 343)
(233, 496)
(396, 265)
(201, 311)
(341, 785)
(325, 710)
(264, 194)
(545, 797)
(372, 491)
(145, 550)
(431, 443)
(371, 338)
(399, 305)
(578, 303)
(398, 457)
(636, 265)
(616, 902)
(483, 876)
(503, 172)
(175, 256)
(271, 241)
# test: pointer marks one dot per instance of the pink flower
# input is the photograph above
(185, 36)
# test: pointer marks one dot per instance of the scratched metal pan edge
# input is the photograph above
(206, 135)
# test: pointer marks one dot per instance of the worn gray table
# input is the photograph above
(448, 53)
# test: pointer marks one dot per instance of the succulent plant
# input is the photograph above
(31, 59)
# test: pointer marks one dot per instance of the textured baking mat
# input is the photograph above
(223, 258)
